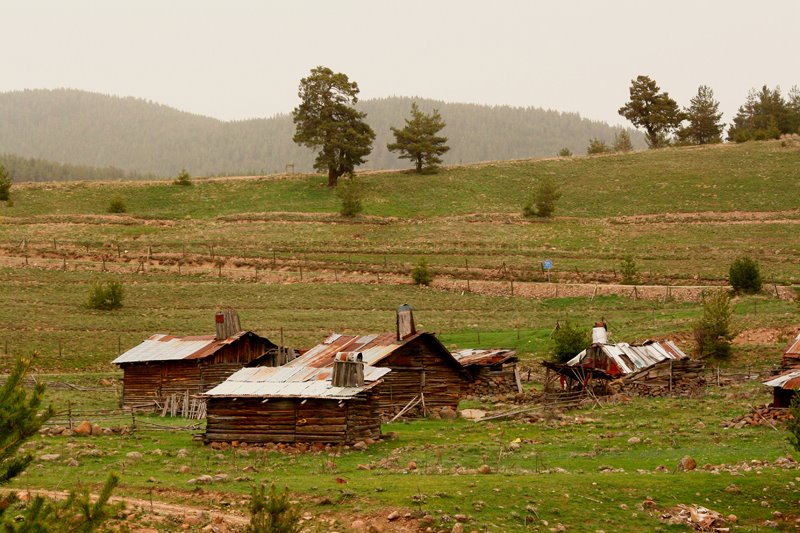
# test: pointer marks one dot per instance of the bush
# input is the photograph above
(106, 296)
(272, 513)
(569, 342)
(421, 274)
(350, 192)
(5, 185)
(596, 146)
(565, 152)
(745, 276)
(117, 205)
(712, 333)
(183, 178)
(629, 270)
(543, 201)
(622, 141)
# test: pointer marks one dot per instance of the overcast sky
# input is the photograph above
(238, 59)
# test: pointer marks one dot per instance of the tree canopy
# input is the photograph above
(5, 184)
(766, 115)
(326, 120)
(418, 140)
(705, 126)
(653, 110)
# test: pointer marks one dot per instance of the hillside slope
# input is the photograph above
(82, 128)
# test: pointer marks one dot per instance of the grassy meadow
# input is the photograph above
(275, 249)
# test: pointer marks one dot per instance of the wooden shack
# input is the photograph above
(337, 404)
(425, 376)
(164, 365)
(492, 371)
(786, 384)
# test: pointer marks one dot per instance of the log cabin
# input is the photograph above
(335, 404)
(163, 365)
(786, 385)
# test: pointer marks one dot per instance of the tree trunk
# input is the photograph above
(333, 177)
(419, 165)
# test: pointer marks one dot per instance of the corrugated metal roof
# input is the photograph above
(374, 348)
(292, 382)
(793, 350)
(787, 380)
(162, 347)
(473, 356)
(630, 358)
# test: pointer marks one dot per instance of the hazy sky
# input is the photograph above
(238, 59)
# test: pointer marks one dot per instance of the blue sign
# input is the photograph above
(547, 264)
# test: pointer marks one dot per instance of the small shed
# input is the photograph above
(424, 372)
(605, 361)
(296, 403)
(786, 385)
(164, 365)
(493, 371)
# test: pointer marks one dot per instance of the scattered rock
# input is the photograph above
(181, 453)
(67, 433)
(634, 440)
(364, 467)
(394, 515)
(97, 430)
(360, 446)
(484, 469)
(73, 462)
(50, 457)
(412, 465)
(514, 445)
(359, 526)
(687, 464)
(134, 455)
(448, 413)
(733, 488)
(185, 469)
(83, 429)
(458, 527)
(472, 414)
(770, 523)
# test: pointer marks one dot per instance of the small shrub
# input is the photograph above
(350, 192)
(622, 141)
(713, 334)
(117, 205)
(565, 152)
(183, 178)
(569, 342)
(542, 203)
(421, 274)
(272, 513)
(5, 185)
(597, 146)
(106, 296)
(629, 270)
(745, 276)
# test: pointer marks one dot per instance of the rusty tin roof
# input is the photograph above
(373, 348)
(793, 350)
(786, 380)
(630, 358)
(162, 347)
(292, 382)
(489, 357)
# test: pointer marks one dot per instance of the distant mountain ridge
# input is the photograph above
(83, 128)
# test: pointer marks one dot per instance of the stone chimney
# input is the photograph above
(348, 370)
(405, 322)
(227, 323)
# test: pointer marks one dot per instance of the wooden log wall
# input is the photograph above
(418, 367)
(140, 384)
(678, 377)
(292, 420)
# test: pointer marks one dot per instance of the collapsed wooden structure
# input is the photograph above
(650, 368)
(297, 403)
(786, 384)
(492, 371)
(164, 365)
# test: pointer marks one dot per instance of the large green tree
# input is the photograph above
(705, 126)
(653, 110)
(419, 141)
(326, 121)
(766, 115)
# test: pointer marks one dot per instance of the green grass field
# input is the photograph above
(181, 253)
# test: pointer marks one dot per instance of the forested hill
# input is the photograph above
(135, 135)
